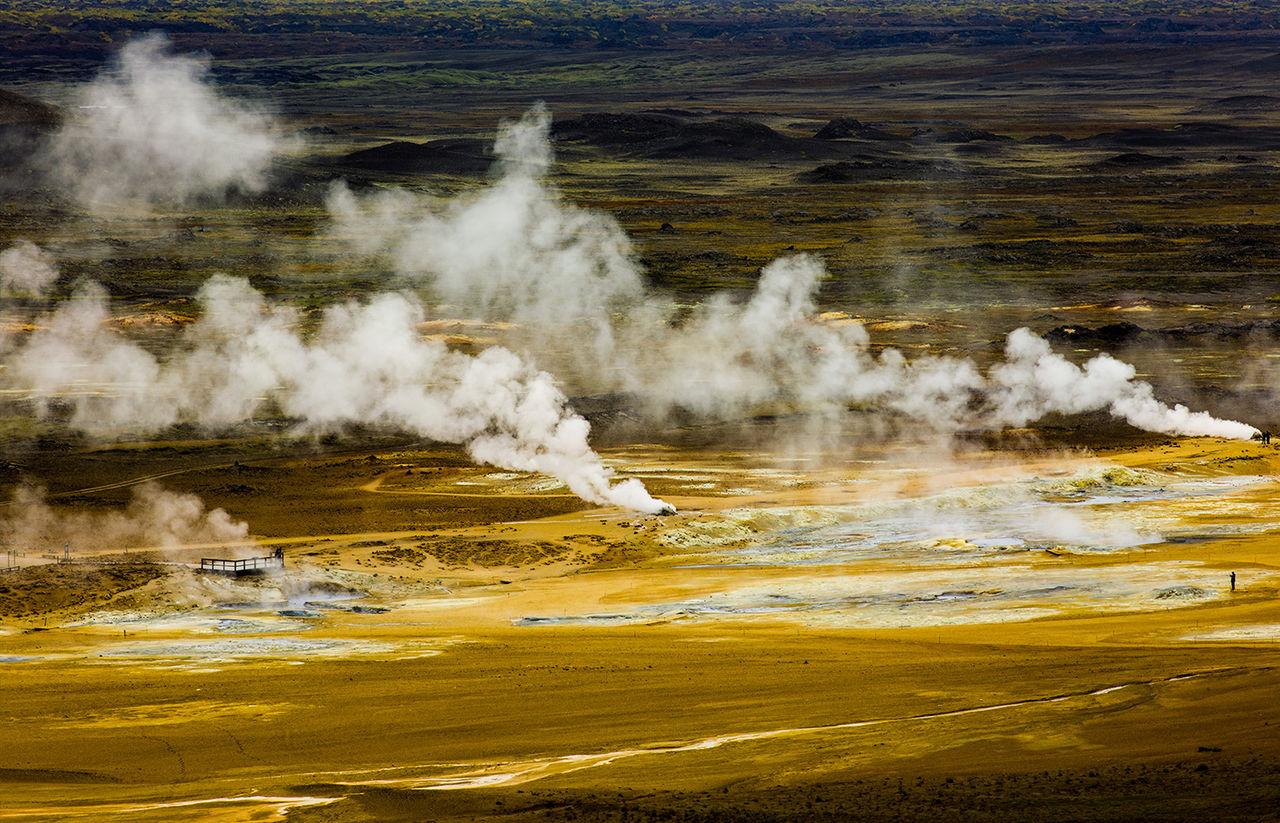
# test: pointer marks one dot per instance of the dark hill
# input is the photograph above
(1123, 334)
(1134, 161)
(737, 138)
(868, 167)
(1110, 335)
(968, 135)
(618, 129)
(662, 136)
(452, 156)
(1047, 140)
(841, 128)
(1187, 135)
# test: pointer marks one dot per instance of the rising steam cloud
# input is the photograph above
(155, 132)
(155, 518)
(26, 269)
(1034, 381)
(366, 364)
(152, 130)
(516, 251)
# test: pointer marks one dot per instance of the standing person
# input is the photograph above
(1233, 581)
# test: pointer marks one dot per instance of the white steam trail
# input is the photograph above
(516, 251)
(152, 130)
(365, 364)
(26, 269)
(1034, 381)
(155, 517)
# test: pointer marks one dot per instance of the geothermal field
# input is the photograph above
(641, 411)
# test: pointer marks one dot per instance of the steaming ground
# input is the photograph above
(838, 617)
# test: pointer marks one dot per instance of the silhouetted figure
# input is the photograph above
(1233, 581)
(278, 554)
(1266, 438)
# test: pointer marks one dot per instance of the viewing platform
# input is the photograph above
(246, 567)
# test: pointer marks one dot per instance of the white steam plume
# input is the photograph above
(1034, 381)
(516, 251)
(366, 363)
(152, 130)
(772, 351)
(154, 518)
(26, 269)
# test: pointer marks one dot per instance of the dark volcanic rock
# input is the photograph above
(1187, 135)
(1214, 330)
(840, 128)
(1134, 161)
(967, 135)
(1123, 334)
(1112, 334)
(662, 136)
(872, 167)
(618, 129)
(734, 138)
(929, 134)
(452, 156)
(1047, 140)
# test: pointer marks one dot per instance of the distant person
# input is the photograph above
(1266, 438)
(1233, 581)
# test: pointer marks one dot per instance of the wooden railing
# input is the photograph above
(248, 565)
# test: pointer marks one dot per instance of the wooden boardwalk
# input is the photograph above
(242, 568)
